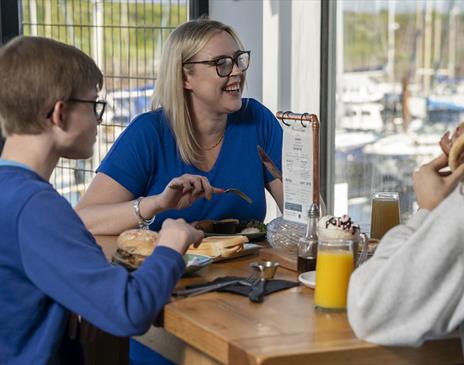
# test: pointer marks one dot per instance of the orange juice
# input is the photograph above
(333, 271)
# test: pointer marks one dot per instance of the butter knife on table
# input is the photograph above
(205, 289)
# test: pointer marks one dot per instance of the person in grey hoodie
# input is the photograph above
(412, 289)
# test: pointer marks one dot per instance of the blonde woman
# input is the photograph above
(201, 135)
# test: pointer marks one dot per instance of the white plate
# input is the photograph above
(308, 278)
(195, 262)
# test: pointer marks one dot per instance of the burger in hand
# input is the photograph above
(135, 245)
(453, 147)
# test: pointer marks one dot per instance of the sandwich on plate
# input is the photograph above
(215, 246)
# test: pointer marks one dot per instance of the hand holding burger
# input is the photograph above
(135, 245)
(453, 147)
(431, 185)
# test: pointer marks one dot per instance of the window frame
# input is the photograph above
(9, 28)
(328, 85)
(198, 8)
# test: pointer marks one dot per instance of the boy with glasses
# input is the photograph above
(49, 263)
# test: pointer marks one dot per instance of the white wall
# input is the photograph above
(245, 16)
(306, 45)
(284, 37)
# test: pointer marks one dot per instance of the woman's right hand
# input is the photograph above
(182, 191)
(179, 235)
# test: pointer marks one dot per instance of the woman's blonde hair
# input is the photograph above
(35, 73)
(183, 43)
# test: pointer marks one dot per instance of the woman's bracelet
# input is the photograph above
(144, 223)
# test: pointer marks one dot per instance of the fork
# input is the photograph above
(254, 276)
(239, 193)
(249, 281)
(235, 191)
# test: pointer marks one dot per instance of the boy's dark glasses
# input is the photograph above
(225, 64)
(98, 107)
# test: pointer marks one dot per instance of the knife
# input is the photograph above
(269, 164)
(204, 289)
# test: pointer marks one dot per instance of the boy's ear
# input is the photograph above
(57, 117)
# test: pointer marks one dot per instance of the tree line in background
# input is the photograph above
(124, 37)
(366, 42)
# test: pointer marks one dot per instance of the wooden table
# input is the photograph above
(284, 329)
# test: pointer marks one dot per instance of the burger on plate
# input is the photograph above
(135, 245)
(453, 147)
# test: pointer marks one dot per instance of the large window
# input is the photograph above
(125, 38)
(400, 86)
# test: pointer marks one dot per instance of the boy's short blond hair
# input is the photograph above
(35, 73)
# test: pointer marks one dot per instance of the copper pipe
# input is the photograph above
(316, 160)
(294, 116)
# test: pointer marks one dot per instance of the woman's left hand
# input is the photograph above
(431, 185)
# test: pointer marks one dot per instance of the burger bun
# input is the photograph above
(138, 241)
(456, 155)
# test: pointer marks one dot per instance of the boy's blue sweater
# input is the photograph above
(50, 265)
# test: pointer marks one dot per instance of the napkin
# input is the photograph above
(272, 285)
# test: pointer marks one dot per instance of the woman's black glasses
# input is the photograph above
(225, 64)
(98, 107)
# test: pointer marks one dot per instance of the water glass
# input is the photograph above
(335, 263)
(385, 213)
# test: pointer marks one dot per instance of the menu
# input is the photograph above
(297, 166)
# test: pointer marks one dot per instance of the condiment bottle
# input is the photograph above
(307, 246)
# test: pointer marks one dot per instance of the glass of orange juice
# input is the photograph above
(335, 263)
(385, 213)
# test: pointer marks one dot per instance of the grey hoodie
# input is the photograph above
(412, 289)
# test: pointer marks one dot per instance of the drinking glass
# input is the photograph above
(335, 263)
(385, 213)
